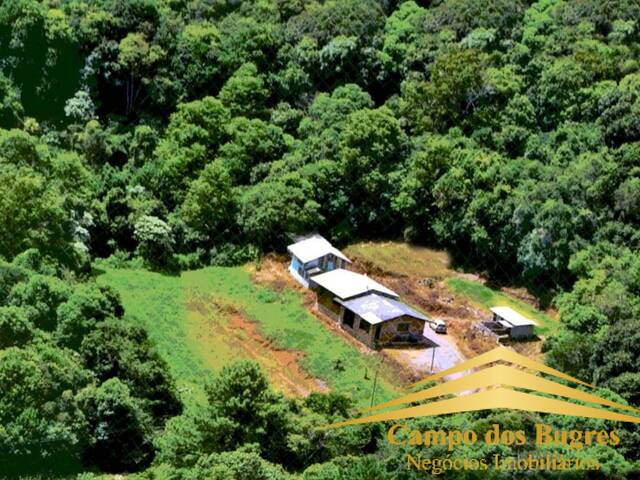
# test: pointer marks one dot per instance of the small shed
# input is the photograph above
(378, 321)
(340, 285)
(516, 324)
(313, 255)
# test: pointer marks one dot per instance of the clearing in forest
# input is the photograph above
(425, 278)
(204, 319)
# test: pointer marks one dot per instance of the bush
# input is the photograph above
(120, 433)
(33, 260)
(237, 465)
(230, 254)
(118, 348)
(155, 242)
(38, 383)
(40, 296)
(10, 275)
(84, 309)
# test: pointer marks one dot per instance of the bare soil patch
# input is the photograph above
(272, 272)
(242, 338)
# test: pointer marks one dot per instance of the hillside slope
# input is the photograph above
(204, 319)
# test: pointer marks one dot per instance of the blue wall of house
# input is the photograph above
(295, 263)
(329, 264)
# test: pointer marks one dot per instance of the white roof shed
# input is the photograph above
(512, 317)
(314, 247)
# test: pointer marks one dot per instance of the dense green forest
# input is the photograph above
(176, 134)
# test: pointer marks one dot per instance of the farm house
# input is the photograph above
(516, 325)
(380, 321)
(368, 310)
(340, 285)
(314, 255)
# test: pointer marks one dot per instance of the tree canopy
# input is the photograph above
(184, 133)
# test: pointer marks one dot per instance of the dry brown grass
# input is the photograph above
(468, 340)
(402, 259)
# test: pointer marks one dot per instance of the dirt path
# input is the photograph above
(242, 338)
(283, 365)
(425, 361)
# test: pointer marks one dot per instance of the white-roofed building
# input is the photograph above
(346, 284)
(340, 285)
(516, 324)
(314, 255)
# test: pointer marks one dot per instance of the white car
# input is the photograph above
(438, 326)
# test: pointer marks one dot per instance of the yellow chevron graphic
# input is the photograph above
(501, 375)
(492, 388)
(505, 355)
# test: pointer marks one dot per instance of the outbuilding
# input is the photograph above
(517, 325)
(314, 255)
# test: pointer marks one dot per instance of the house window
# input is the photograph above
(348, 318)
(364, 325)
(403, 327)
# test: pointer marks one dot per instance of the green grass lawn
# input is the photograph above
(183, 317)
(485, 297)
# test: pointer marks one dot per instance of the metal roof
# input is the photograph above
(376, 309)
(346, 284)
(512, 317)
(314, 247)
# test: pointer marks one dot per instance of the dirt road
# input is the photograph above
(444, 356)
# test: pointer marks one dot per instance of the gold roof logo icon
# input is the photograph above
(495, 388)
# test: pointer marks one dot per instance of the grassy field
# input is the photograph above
(204, 319)
(485, 297)
(401, 258)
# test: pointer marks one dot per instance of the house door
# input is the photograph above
(376, 332)
(348, 317)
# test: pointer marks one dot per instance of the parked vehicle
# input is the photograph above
(438, 326)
